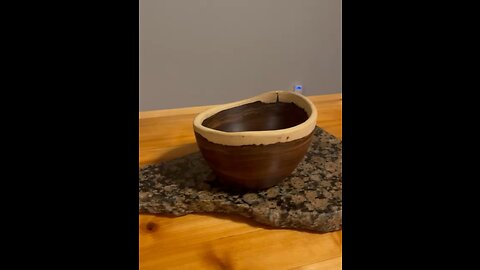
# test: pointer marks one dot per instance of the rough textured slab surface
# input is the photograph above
(311, 198)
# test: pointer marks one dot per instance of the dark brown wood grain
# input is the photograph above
(253, 166)
(257, 116)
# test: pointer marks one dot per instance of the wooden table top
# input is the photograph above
(220, 241)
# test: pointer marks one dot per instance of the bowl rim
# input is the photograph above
(262, 137)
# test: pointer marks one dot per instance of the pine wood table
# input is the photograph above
(220, 241)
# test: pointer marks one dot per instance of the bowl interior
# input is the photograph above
(257, 116)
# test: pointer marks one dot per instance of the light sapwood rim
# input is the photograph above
(265, 137)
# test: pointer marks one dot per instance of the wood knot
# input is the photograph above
(151, 227)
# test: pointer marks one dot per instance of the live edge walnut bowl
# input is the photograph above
(257, 142)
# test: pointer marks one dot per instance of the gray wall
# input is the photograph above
(201, 52)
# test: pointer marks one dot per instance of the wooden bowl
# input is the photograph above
(255, 143)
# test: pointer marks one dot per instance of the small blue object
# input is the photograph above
(298, 88)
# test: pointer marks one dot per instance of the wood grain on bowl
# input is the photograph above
(253, 166)
(260, 136)
(257, 142)
(257, 116)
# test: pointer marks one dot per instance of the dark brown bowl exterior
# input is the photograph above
(253, 166)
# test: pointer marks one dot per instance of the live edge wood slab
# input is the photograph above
(225, 242)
